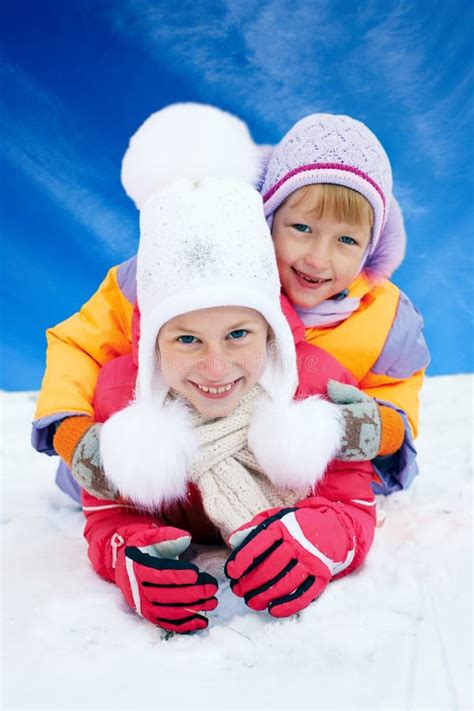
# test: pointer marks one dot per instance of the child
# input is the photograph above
(359, 317)
(212, 447)
(327, 193)
(180, 140)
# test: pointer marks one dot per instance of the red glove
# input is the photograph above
(286, 557)
(166, 591)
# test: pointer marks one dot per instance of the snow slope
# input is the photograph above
(395, 635)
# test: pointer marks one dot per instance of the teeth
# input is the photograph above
(311, 280)
(215, 391)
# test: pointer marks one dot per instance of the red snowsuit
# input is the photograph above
(348, 484)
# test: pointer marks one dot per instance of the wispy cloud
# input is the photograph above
(450, 272)
(409, 199)
(403, 51)
(259, 55)
(56, 176)
(282, 59)
(41, 145)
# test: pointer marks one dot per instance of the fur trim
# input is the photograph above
(265, 154)
(390, 249)
(294, 443)
(189, 141)
(147, 450)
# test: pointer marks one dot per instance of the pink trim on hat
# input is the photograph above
(327, 166)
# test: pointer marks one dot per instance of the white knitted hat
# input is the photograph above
(204, 244)
(324, 148)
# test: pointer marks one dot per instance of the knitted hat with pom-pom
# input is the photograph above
(326, 148)
(204, 242)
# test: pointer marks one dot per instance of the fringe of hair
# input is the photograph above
(343, 204)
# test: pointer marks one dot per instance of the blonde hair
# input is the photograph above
(334, 201)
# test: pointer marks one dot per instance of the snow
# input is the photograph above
(395, 635)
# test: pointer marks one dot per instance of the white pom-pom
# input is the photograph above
(147, 450)
(295, 442)
(190, 141)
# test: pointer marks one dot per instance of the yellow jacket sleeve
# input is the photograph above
(403, 393)
(79, 346)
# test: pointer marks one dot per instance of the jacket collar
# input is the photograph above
(296, 324)
(358, 289)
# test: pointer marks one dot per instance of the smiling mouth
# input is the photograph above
(216, 391)
(309, 279)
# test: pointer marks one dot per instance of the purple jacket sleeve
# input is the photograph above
(404, 356)
(396, 471)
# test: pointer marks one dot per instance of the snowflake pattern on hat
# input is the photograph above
(206, 244)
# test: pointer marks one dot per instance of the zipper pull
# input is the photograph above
(116, 542)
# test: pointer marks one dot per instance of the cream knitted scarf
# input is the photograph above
(232, 484)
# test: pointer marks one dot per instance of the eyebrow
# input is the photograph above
(299, 210)
(309, 213)
(235, 327)
(244, 322)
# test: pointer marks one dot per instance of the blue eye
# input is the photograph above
(301, 228)
(345, 239)
(187, 339)
(239, 333)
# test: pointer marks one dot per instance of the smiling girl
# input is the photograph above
(338, 236)
(226, 438)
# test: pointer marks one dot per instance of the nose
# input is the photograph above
(214, 364)
(318, 255)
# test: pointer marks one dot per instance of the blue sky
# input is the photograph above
(78, 78)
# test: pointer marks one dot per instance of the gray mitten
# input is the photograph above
(86, 467)
(363, 426)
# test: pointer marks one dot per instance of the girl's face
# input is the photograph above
(317, 257)
(212, 357)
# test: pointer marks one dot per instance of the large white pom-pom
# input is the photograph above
(147, 451)
(295, 442)
(190, 141)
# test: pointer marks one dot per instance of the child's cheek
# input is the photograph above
(256, 361)
(173, 366)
